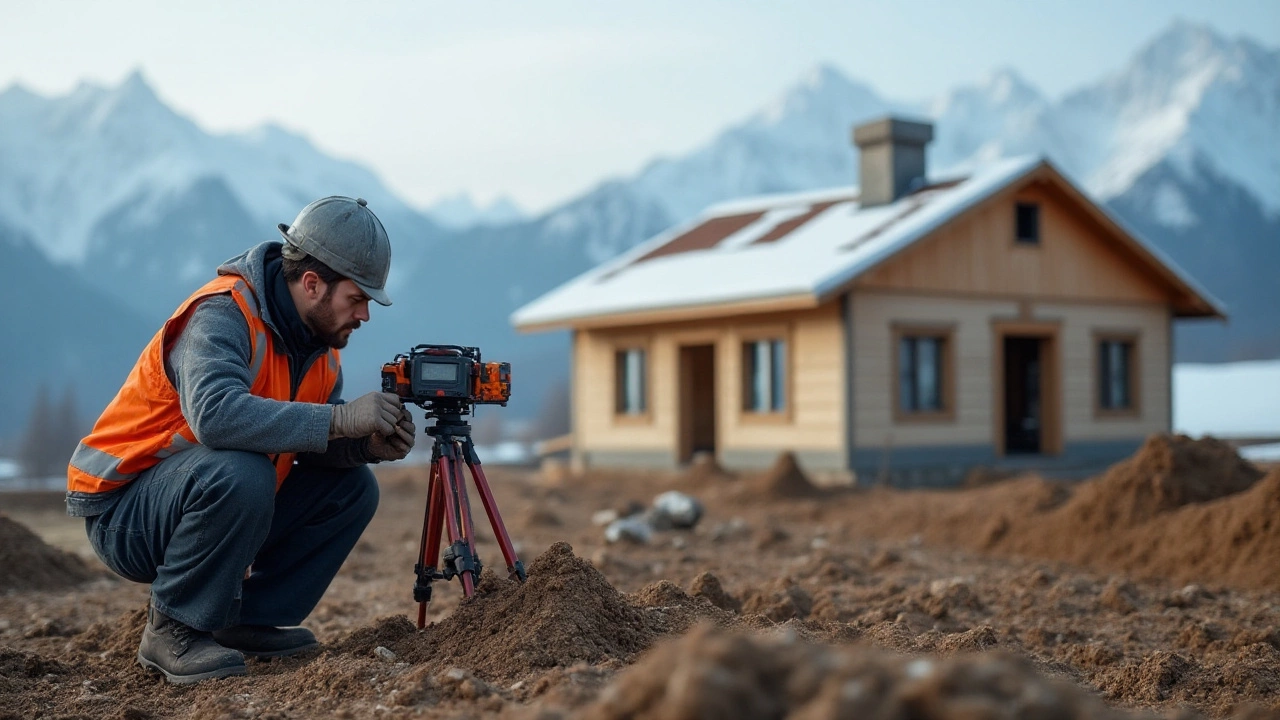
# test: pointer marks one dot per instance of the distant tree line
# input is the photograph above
(53, 431)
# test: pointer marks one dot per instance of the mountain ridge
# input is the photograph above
(173, 218)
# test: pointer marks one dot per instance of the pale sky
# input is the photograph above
(540, 100)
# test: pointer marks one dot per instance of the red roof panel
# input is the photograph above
(704, 236)
(783, 229)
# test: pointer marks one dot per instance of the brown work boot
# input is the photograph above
(266, 640)
(185, 655)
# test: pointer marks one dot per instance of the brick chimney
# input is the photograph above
(890, 158)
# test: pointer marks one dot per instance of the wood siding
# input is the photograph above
(875, 388)
(976, 393)
(1080, 326)
(972, 274)
(977, 254)
(814, 416)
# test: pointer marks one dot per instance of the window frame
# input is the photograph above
(947, 375)
(645, 415)
(781, 334)
(1134, 379)
(1018, 238)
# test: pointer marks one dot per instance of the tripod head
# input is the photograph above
(451, 421)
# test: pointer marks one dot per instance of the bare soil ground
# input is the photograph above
(1152, 590)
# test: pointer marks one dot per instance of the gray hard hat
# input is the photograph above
(345, 235)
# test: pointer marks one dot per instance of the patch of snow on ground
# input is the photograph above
(1227, 400)
(1269, 452)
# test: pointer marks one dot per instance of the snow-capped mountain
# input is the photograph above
(1181, 143)
(1189, 93)
(800, 140)
(70, 161)
(112, 181)
(460, 211)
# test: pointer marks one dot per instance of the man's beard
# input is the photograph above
(324, 325)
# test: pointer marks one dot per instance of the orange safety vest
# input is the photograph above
(144, 423)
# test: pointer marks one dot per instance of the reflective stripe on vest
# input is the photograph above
(144, 423)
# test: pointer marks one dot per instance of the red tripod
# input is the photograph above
(449, 506)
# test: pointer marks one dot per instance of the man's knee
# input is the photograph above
(244, 479)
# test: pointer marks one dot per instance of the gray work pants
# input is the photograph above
(192, 524)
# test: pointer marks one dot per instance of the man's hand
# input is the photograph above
(396, 446)
(373, 414)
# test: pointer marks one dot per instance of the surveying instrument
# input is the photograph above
(448, 381)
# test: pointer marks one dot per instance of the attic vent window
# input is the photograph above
(1027, 223)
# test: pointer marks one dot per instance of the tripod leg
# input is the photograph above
(464, 512)
(429, 549)
(460, 552)
(515, 568)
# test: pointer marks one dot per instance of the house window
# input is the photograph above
(764, 365)
(632, 390)
(922, 373)
(1027, 223)
(1115, 374)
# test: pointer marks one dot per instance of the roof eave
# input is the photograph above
(673, 313)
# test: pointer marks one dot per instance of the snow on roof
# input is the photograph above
(813, 244)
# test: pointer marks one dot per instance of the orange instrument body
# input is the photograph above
(492, 383)
(449, 374)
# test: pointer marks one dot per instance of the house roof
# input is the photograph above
(798, 250)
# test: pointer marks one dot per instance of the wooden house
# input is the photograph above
(903, 332)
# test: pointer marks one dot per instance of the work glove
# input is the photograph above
(373, 414)
(395, 446)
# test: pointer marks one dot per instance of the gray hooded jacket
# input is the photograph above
(209, 367)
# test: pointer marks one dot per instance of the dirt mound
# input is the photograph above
(1168, 472)
(566, 612)
(704, 469)
(28, 563)
(736, 676)
(707, 585)
(116, 641)
(1234, 540)
(704, 477)
(388, 632)
(19, 669)
(540, 517)
(785, 479)
(672, 610)
(1180, 509)
(780, 599)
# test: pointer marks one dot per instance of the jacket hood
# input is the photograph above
(250, 265)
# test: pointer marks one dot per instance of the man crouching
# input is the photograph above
(227, 472)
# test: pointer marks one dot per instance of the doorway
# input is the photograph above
(1023, 395)
(697, 401)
